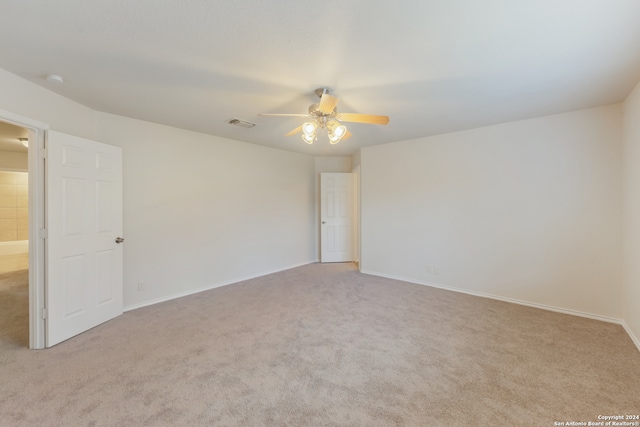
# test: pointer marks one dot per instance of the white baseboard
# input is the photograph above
(208, 288)
(635, 339)
(514, 301)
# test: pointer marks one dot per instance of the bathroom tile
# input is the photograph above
(13, 262)
(8, 178)
(8, 201)
(22, 202)
(8, 224)
(8, 213)
(22, 213)
(22, 190)
(8, 236)
(23, 224)
(23, 234)
(22, 178)
(8, 190)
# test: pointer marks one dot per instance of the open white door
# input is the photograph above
(335, 217)
(84, 219)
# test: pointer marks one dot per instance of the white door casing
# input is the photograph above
(36, 222)
(84, 218)
(335, 217)
(355, 216)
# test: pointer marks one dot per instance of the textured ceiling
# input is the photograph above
(433, 66)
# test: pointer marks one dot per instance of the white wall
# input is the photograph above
(528, 210)
(24, 98)
(202, 210)
(199, 211)
(632, 212)
(13, 160)
(355, 159)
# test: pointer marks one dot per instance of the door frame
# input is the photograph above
(37, 222)
(355, 173)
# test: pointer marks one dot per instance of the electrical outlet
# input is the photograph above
(141, 286)
(429, 268)
(436, 269)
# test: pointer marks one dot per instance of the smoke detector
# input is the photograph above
(55, 79)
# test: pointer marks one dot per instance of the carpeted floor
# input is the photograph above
(323, 345)
(14, 309)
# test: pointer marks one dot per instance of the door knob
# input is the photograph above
(119, 240)
(323, 222)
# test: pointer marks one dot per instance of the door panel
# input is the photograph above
(84, 217)
(104, 277)
(73, 278)
(335, 217)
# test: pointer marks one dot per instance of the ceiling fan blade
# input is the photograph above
(285, 115)
(347, 135)
(363, 118)
(293, 132)
(327, 103)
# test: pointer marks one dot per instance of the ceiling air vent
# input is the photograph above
(241, 123)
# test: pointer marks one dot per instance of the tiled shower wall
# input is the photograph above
(14, 206)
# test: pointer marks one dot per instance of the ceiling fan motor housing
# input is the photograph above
(321, 91)
(314, 111)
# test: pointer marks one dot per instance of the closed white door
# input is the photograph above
(335, 217)
(84, 219)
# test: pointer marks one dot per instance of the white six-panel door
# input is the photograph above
(84, 218)
(335, 217)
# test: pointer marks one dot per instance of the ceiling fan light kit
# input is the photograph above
(309, 127)
(309, 132)
(325, 115)
(336, 131)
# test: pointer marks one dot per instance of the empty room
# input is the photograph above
(367, 213)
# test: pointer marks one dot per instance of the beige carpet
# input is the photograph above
(14, 310)
(323, 345)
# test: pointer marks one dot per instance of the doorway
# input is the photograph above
(14, 235)
(66, 196)
(25, 257)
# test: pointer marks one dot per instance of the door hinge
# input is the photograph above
(43, 153)
(44, 313)
(44, 233)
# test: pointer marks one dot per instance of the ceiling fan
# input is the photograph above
(325, 115)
